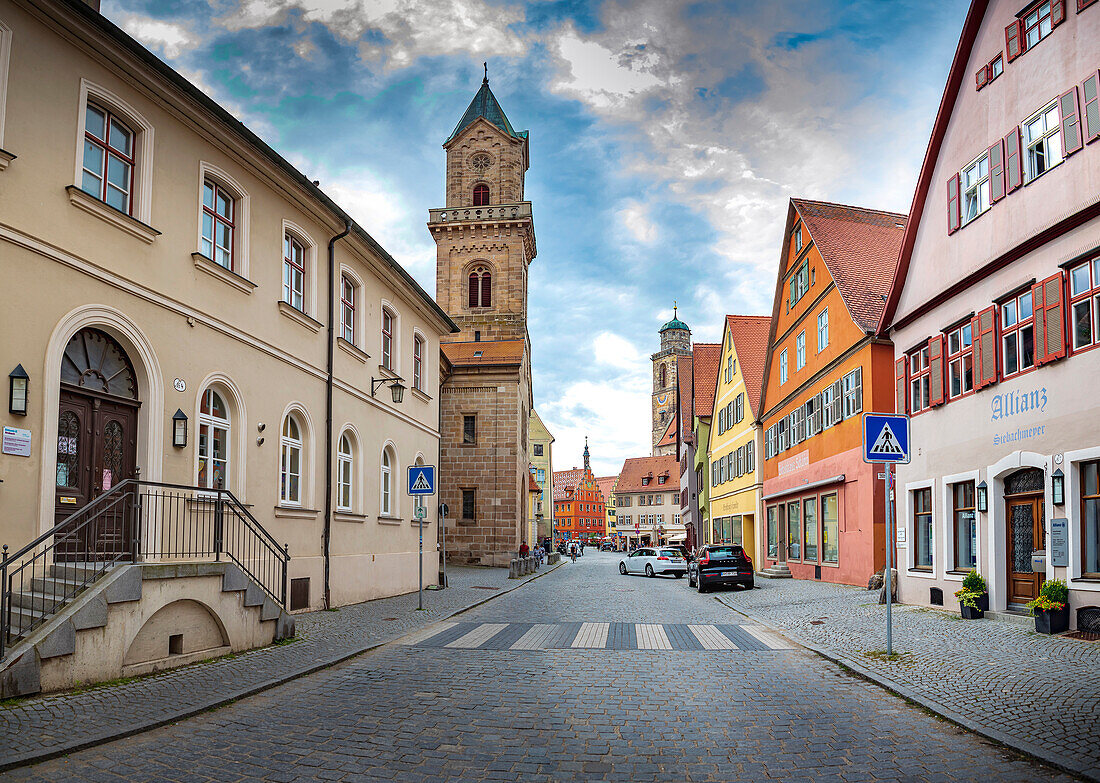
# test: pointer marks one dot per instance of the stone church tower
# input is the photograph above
(485, 240)
(675, 342)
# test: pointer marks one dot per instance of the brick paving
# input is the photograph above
(1033, 691)
(44, 725)
(409, 712)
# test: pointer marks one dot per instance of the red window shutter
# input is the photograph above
(1090, 109)
(983, 327)
(473, 290)
(1014, 161)
(486, 290)
(901, 385)
(1050, 343)
(997, 171)
(981, 77)
(1057, 12)
(1071, 122)
(1014, 40)
(953, 215)
(935, 370)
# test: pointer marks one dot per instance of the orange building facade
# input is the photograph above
(580, 508)
(824, 512)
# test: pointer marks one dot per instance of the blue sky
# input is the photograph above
(666, 138)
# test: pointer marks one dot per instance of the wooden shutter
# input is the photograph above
(1071, 123)
(935, 370)
(1090, 107)
(981, 77)
(1050, 336)
(473, 290)
(1014, 39)
(901, 384)
(983, 327)
(1057, 12)
(997, 171)
(953, 215)
(1014, 161)
(838, 402)
(486, 290)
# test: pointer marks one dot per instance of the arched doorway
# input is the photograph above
(96, 440)
(1024, 533)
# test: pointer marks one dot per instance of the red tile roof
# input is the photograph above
(685, 393)
(860, 247)
(565, 480)
(669, 438)
(607, 486)
(706, 359)
(532, 485)
(634, 469)
(493, 352)
(750, 340)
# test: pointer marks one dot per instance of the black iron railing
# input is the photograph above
(135, 521)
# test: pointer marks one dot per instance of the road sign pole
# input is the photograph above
(889, 581)
(420, 527)
(443, 539)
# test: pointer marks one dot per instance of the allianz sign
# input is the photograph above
(1012, 403)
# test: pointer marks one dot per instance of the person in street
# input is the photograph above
(573, 552)
(524, 550)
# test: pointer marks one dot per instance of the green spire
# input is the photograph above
(675, 323)
(485, 105)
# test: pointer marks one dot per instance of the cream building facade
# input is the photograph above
(540, 445)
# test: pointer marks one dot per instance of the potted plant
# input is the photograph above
(1051, 608)
(973, 597)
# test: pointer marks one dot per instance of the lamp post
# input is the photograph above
(179, 428)
(397, 389)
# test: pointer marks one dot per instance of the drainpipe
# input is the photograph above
(327, 535)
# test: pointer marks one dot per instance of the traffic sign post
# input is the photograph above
(886, 441)
(421, 482)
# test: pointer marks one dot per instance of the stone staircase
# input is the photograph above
(776, 571)
(47, 594)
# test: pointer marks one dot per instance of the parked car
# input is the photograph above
(607, 546)
(721, 564)
(654, 560)
(684, 553)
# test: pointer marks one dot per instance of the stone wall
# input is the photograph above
(504, 176)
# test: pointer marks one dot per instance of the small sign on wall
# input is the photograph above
(17, 442)
(1059, 542)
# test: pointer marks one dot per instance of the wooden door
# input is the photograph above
(1024, 527)
(115, 426)
(74, 455)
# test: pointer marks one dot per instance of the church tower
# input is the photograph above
(675, 342)
(485, 241)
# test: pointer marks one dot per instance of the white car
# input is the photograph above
(654, 560)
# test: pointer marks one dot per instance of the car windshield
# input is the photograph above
(671, 553)
(725, 551)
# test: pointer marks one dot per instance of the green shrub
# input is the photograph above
(975, 583)
(1053, 596)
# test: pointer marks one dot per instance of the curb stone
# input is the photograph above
(1041, 754)
(25, 759)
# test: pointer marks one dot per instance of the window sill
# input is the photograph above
(296, 512)
(297, 315)
(465, 522)
(93, 206)
(386, 372)
(5, 158)
(1028, 181)
(385, 519)
(214, 269)
(347, 516)
(414, 521)
(352, 351)
(420, 395)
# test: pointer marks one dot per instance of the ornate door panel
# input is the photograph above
(74, 461)
(1024, 523)
(115, 426)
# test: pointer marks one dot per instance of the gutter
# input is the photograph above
(327, 534)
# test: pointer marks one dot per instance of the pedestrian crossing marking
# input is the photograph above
(597, 636)
(887, 442)
(592, 635)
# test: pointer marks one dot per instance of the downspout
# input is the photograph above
(327, 535)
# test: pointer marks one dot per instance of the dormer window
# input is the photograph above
(645, 481)
(662, 479)
(481, 195)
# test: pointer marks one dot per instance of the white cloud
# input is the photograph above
(612, 412)
(601, 76)
(616, 351)
(170, 38)
(635, 218)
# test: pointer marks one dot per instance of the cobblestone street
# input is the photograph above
(471, 700)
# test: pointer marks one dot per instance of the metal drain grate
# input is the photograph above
(1085, 636)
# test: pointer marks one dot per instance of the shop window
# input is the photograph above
(1090, 519)
(1084, 290)
(773, 531)
(830, 529)
(919, 381)
(964, 526)
(809, 526)
(960, 359)
(794, 530)
(922, 529)
(1017, 335)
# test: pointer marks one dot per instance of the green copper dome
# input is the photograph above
(675, 323)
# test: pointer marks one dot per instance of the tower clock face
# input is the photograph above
(481, 161)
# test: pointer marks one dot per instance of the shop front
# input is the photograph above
(734, 520)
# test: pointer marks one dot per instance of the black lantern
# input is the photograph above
(17, 391)
(982, 500)
(1058, 488)
(179, 429)
(397, 389)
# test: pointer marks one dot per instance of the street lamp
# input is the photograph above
(397, 389)
(17, 391)
(982, 500)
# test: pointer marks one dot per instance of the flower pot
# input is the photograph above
(972, 614)
(983, 602)
(1052, 621)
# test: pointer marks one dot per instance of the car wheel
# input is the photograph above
(691, 580)
(701, 586)
(622, 568)
(679, 574)
(750, 585)
(648, 570)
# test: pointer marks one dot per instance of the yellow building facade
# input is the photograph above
(540, 513)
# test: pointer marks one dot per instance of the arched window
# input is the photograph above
(218, 224)
(108, 159)
(386, 494)
(387, 339)
(214, 441)
(481, 287)
(481, 195)
(290, 470)
(345, 470)
(664, 377)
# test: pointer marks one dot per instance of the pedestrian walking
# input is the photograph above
(524, 550)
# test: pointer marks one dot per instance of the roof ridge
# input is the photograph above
(849, 206)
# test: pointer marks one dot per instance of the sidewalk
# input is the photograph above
(41, 727)
(1037, 693)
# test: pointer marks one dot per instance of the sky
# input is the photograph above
(666, 139)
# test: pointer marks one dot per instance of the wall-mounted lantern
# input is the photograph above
(983, 498)
(179, 428)
(18, 381)
(1058, 488)
(397, 389)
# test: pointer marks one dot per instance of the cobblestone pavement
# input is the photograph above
(43, 725)
(410, 712)
(1033, 689)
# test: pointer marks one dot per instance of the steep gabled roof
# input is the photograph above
(607, 485)
(485, 105)
(685, 394)
(635, 468)
(706, 357)
(565, 480)
(750, 340)
(669, 438)
(860, 248)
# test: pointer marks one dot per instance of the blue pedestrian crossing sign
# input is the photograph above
(422, 479)
(885, 437)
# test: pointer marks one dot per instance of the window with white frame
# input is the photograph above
(1084, 292)
(418, 363)
(294, 272)
(975, 188)
(1017, 334)
(853, 392)
(387, 338)
(964, 526)
(920, 392)
(386, 483)
(109, 161)
(290, 465)
(729, 367)
(799, 284)
(1043, 141)
(823, 330)
(800, 351)
(214, 444)
(345, 473)
(798, 238)
(348, 293)
(218, 224)
(783, 366)
(1037, 25)
(922, 529)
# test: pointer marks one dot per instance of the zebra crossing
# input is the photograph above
(596, 636)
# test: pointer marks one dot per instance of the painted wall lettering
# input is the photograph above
(1011, 403)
